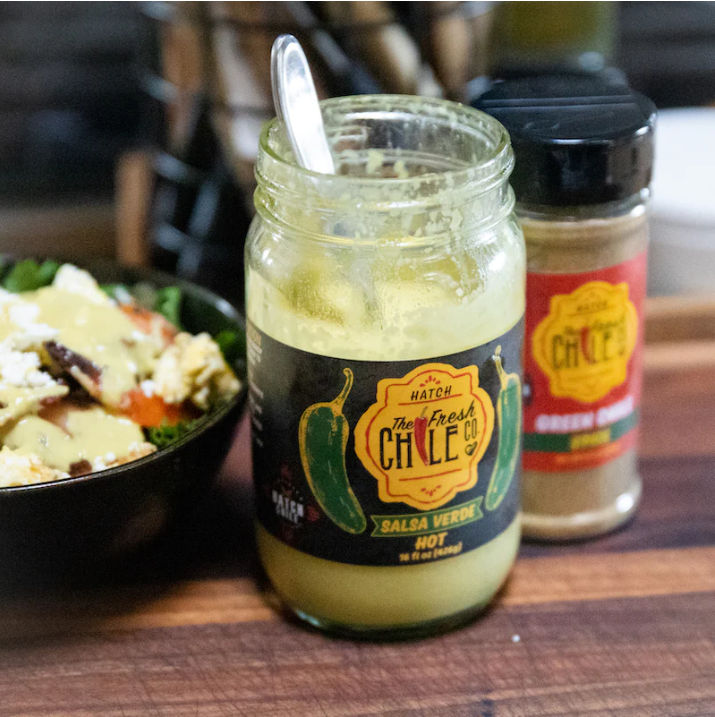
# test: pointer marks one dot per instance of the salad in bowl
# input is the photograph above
(93, 377)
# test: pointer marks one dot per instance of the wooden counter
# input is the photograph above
(623, 626)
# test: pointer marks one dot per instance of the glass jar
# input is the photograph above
(384, 308)
(584, 153)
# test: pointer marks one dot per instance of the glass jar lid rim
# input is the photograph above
(497, 163)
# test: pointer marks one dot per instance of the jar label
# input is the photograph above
(386, 462)
(583, 366)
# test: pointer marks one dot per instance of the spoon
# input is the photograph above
(296, 103)
(297, 107)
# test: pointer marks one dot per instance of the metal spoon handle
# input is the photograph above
(296, 103)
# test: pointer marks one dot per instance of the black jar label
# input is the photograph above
(386, 462)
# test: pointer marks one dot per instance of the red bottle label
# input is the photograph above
(583, 369)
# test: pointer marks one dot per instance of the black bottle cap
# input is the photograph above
(577, 139)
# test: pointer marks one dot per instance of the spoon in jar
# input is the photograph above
(296, 103)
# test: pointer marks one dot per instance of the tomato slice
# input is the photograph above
(149, 322)
(151, 411)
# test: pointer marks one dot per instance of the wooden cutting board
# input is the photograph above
(623, 626)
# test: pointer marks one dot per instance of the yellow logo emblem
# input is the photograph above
(424, 436)
(586, 341)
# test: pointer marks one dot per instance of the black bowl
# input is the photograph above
(71, 527)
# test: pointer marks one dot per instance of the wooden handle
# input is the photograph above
(450, 46)
(134, 183)
(183, 66)
(386, 48)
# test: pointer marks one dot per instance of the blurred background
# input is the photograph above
(129, 130)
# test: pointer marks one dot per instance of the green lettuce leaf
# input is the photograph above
(118, 292)
(232, 345)
(28, 275)
(168, 304)
(162, 436)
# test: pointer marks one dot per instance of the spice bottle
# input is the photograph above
(584, 154)
(385, 317)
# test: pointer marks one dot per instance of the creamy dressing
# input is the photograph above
(90, 434)
(101, 333)
(19, 401)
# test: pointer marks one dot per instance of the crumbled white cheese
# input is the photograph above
(148, 388)
(16, 311)
(22, 368)
(23, 313)
(193, 368)
(137, 450)
(33, 336)
(140, 449)
(19, 469)
(78, 281)
(101, 463)
(8, 299)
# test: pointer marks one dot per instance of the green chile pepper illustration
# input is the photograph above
(509, 417)
(323, 437)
